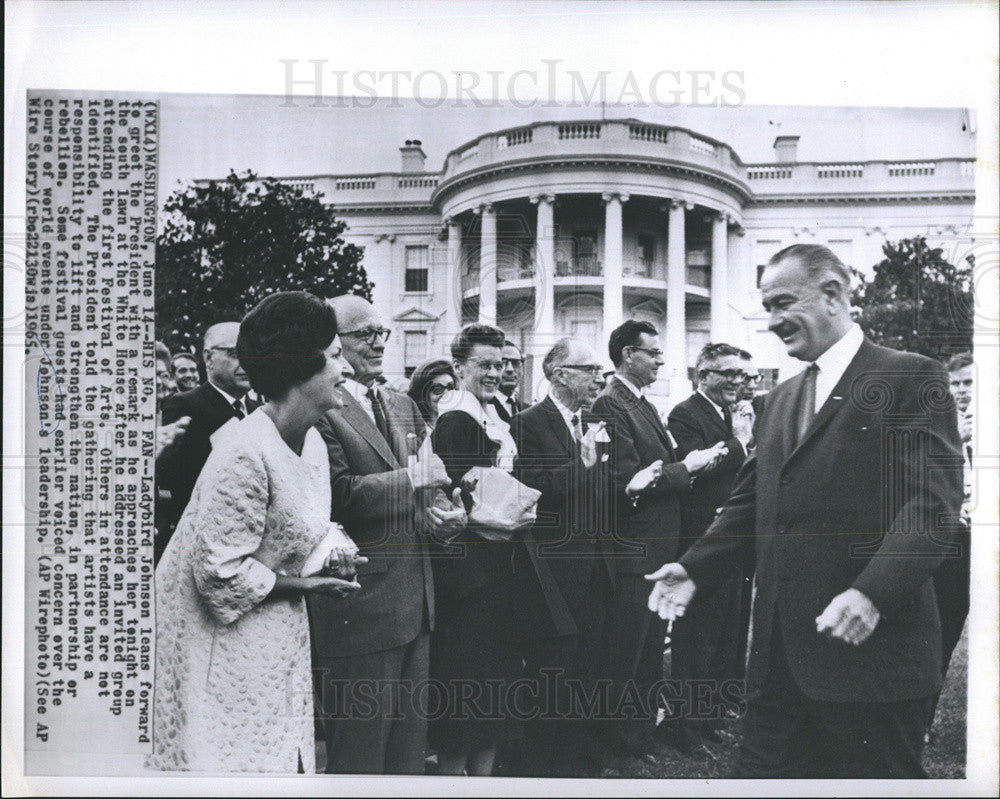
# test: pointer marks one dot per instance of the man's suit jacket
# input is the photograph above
(571, 530)
(181, 463)
(373, 499)
(695, 424)
(502, 411)
(867, 499)
(647, 535)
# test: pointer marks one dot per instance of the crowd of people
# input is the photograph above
(453, 580)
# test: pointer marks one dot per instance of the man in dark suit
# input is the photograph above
(566, 574)
(506, 400)
(371, 649)
(648, 482)
(209, 406)
(706, 642)
(852, 494)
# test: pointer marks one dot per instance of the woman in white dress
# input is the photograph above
(233, 687)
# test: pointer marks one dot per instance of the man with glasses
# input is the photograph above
(381, 490)
(209, 406)
(505, 400)
(707, 640)
(564, 565)
(649, 479)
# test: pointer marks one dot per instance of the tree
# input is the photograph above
(917, 301)
(227, 244)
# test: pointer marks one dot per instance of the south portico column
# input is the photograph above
(676, 339)
(613, 265)
(453, 284)
(719, 329)
(544, 335)
(488, 265)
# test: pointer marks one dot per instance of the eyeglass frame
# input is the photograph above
(594, 369)
(728, 374)
(369, 334)
(652, 353)
(437, 389)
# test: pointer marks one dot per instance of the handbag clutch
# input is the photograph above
(501, 504)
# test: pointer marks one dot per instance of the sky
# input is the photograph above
(204, 136)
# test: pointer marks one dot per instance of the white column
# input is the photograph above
(743, 281)
(613, 265)
(676, 341)
(719, 329)
(488, 265)
(544, 335)
(453, 286)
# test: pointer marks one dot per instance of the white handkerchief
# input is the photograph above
(601, 437)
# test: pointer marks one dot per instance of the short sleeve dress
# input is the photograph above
(233, 687)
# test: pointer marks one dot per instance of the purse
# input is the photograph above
(501, 504)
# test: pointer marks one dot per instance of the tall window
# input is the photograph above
(414, 350)
(416, 268)
(647, 254)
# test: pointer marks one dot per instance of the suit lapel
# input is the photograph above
(220, 405)
(557, 425)
(355, 416)
(712, 416)
(836, 400)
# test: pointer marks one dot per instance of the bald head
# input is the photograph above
(572, 368)
(223, 334)
(358, 324)
(221, 364)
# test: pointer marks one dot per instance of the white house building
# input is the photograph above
(569, 227)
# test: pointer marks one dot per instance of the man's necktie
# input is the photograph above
(727, 417)
(577, 430)
(378, 410)
(237, 407)
(807, 402)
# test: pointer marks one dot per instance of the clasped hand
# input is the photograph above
(701, 459)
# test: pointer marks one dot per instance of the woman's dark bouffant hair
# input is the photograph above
(282, 341)
(420, 383)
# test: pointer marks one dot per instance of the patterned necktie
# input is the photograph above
(378, 411)
(806, 409)
(577, 430)
(237, 407)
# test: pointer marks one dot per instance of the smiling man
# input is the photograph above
(846, 652)
(707, 642)
(380, 635)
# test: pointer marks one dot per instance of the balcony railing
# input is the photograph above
(581, 266)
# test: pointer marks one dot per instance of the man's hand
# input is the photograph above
(427, 470)
(588, 444)
(743, 419)
(850, 616)
(644, 479)
(447, 522)
(673, 591)
(168, 433)
(965, 426)
(701, 459)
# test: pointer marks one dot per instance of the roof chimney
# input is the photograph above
(786, 149)
(413, 156)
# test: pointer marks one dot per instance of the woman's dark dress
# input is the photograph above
(474, 641)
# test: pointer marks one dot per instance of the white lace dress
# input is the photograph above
(233, 689)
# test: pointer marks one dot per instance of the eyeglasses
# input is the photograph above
(229, 352)
(729, 374)
(437, 389)
(752, 378)
(369, 335)
(582, 367)
(653, 353)
(513, 363)
(487, 366)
